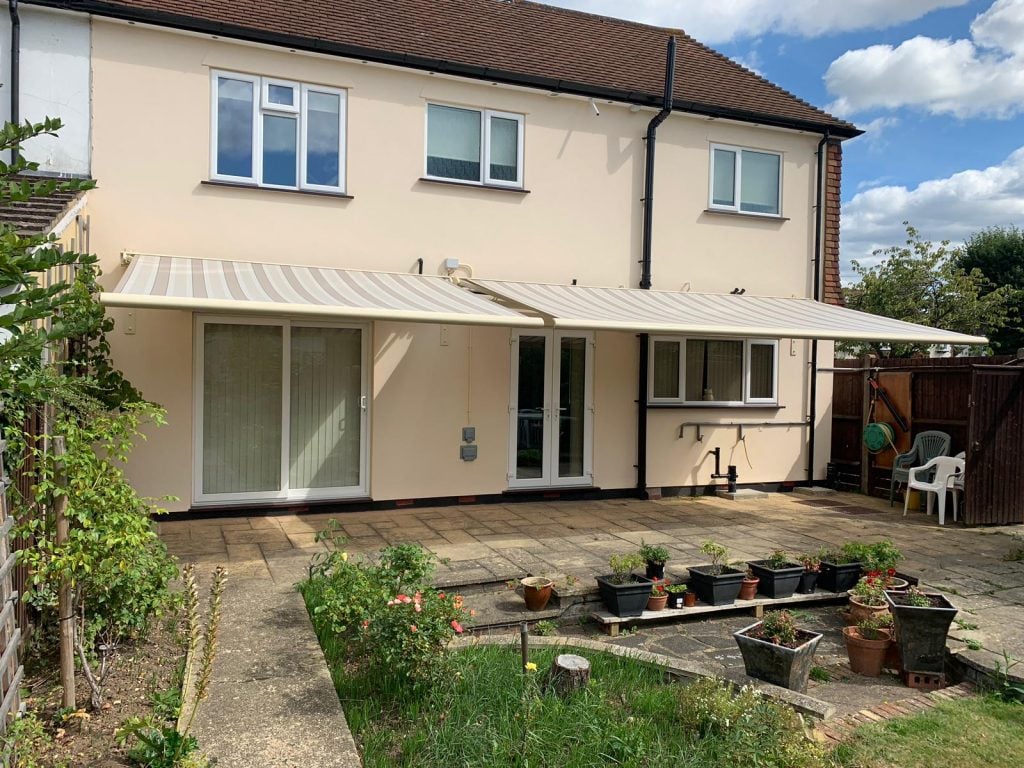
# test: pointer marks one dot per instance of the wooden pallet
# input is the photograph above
(611, 623)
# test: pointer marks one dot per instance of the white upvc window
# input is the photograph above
(724, 372)
(277, 133)
(474, 146)
(745, 180)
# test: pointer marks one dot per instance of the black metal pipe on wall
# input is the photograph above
(15, 84)
(645, 264)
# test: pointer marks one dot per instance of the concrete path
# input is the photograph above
(273, 703)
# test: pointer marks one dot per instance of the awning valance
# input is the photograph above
(213, 285)
(629, 309)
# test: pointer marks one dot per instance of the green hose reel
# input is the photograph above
(878, 435)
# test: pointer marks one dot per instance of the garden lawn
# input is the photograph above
(967, 733)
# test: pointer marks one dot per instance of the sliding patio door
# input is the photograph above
(280, 411)
(551, 411)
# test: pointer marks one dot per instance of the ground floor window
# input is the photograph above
(281, 410)
(714, 371)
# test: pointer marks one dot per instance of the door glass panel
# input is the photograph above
(530, 414)
(326, 417)
(241, 408)
(572, 392)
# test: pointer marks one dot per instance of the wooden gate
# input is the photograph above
(994, 482)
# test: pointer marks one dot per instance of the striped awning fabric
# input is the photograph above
(629, 309)
(212, 285)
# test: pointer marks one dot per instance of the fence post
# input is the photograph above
(865, 456)
(65, 615)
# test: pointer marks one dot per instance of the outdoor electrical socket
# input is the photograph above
(468, 434)
(468, 452)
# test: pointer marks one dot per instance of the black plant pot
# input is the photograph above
(675, 600)
(808, 582)
(655, 570)
(720, 589)
(921, 632)
(777, 582)
(627, 599)
(776, 664)
(839, 577)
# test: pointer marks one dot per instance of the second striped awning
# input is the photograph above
(213, 285)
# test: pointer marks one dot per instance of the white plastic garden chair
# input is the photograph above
(946, 468)
(955, 484)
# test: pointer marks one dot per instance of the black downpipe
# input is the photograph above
(819, 218)
(15, 83)
(645, 268)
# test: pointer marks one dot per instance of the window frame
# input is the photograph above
(737, 178)
(299, 112)
(485, 179)
(681, 400)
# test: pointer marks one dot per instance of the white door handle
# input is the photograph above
(362, 402)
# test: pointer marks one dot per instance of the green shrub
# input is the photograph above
(652, 553)
(779, 627)
(26, 744)
(717, 554)
(622, 566)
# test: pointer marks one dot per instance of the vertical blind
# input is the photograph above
(762, 371)
(666, 369)
(241, 408)
(722, 381)
(759, 184)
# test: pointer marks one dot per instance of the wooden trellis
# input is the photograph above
(11, 670)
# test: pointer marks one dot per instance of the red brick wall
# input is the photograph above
(831, 290)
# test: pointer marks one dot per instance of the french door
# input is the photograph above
(281, 410)
(551, 409)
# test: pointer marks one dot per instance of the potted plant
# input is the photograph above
(922, 622)
(658, 597)
(809, 578)
(866, 645)
(748, 589)
(779, 575)
(867, 600)
(624, 592)
(716, 583)
(892, 654)
(882, 556)
(536, 592)
(777, 651)
(839, 569)
(676, 595)
(655, 557)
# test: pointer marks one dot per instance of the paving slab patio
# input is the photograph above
(560, 538)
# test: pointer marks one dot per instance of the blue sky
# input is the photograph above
(938, 84)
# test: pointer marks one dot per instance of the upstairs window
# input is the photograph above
(714, 371)
(746, 180)
(474, 146)
(278, 133)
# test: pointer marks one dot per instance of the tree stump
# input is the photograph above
(568, 673)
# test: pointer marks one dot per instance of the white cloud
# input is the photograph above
(983, 76)
(720, 21)
(952, 209)
(874, 132)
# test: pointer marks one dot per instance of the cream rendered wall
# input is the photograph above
(581, 219)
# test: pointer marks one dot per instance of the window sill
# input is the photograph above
(745, 215)
(719, 406)
(473, 185)
(240, 185)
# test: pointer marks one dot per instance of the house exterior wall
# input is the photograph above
(54, 83)
(580, 220)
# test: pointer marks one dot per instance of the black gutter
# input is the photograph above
(15, 83)
(645, 269)
(819, 218)
(442, 66)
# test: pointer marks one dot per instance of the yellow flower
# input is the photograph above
(344, 557)
(531, 667)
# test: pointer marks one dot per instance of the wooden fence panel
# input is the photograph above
(994, 482)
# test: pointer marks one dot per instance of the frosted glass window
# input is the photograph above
(666, 369)
(759, 183)
(762, 371)
(242, 386)
(235, 110)
(325, 413)
(280, 150)
(724, 187)
(504, 149)
(323, 139)
(453, 143)
(714, 371)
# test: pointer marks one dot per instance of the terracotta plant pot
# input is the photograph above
(859, 611)
(536, 592)
(657, 603)
(867, 657)
(748, 590)
(689, 599)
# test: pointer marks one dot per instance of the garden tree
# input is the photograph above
(109, 566)
(921, 282)
(998, 253)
